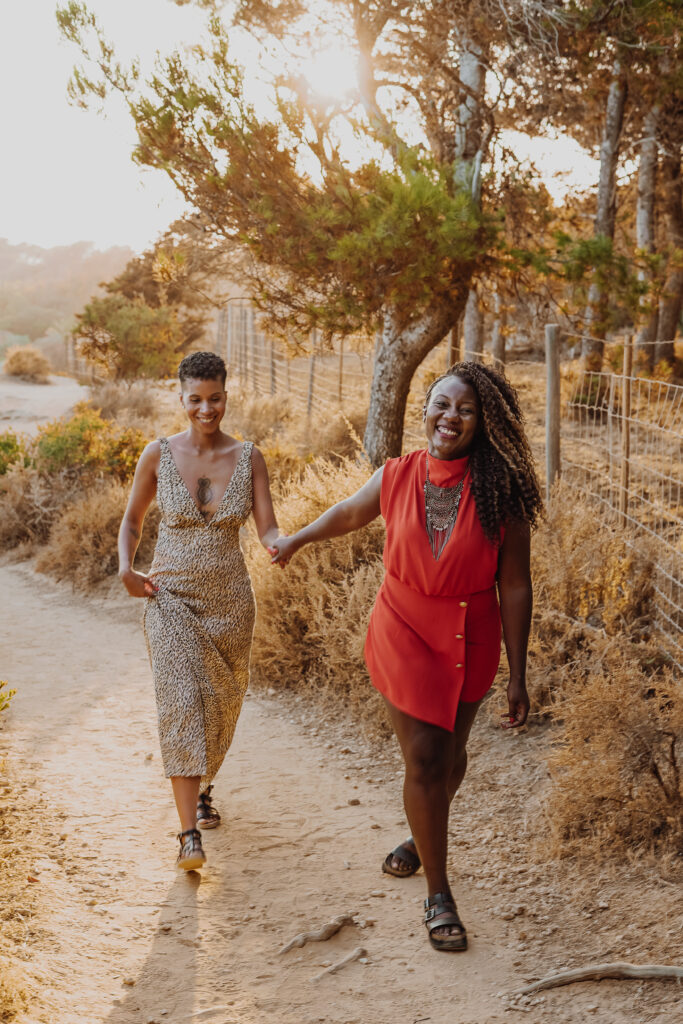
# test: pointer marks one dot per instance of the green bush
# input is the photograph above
(86, 441)
(11, 450)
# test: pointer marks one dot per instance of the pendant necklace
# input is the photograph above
(441, 511)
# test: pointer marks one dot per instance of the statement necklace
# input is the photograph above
(441, 512)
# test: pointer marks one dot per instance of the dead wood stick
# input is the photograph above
(355, 954)
(595, 972)
(321, 935)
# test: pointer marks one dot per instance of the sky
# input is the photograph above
(66, 175)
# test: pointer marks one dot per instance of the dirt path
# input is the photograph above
(122, 939)
(24, 406)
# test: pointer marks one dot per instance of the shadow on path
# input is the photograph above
(167, 978)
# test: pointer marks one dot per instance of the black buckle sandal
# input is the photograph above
(441, 912)
(191, 856)
(404, 853)
(207, 816)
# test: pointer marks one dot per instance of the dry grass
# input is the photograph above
(28, 363)
(117, 401)
(82, 544)
(30, 502)
(616, 772)
(589, 584)
(312, 616)
(19, 896)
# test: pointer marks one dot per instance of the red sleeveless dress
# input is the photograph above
(434, 633)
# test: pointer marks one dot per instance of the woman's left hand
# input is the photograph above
(518, 706)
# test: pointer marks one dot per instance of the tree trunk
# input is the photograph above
(400, 351)
(592, 349)
(672, 297)
(473, 328)
(498, 334)
(645, 232)
(468, 129)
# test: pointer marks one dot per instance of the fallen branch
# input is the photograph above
(321, 935)
(355, 954)
(596, 972)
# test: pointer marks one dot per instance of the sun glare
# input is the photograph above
(331, 72)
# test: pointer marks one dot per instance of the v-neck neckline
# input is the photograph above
(200, 517)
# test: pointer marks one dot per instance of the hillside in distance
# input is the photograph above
(41, 289)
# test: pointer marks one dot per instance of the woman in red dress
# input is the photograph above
(458, 518)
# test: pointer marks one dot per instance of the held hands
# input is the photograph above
(137, 584)
(518, 706)
(282, 550)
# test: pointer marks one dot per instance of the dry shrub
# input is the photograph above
(312, 615)
(257, 418)
(616, 779)
(28, 363)
(333, 436)
(82, 544)
(118, 401)
(589, 583)
(30, 503)
(285, 463)
(12, 996)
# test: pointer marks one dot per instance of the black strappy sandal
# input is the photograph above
(207, 816)
(404, 853)
(191, 856)
(441, 912)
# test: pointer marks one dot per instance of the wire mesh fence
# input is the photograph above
(620, 435)
(622, 444)
(312, 383)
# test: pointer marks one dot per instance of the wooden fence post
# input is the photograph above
(273, 380)
(311, 375)
(626, 429)
(340, 394)
(228, 337)
(552, 405)
(252, 346)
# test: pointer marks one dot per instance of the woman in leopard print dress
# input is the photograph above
(199, 613)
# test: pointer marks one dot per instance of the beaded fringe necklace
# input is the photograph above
(441, 511)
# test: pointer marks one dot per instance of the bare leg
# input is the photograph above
(467, 712)
(465, 718)
(428, 752)
(186, 792)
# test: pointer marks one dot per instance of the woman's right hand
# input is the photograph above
(137, 584)
(282, 550)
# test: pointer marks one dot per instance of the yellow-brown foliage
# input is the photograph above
(589, 583)
(616, 777)
(85, 442)
(82, 543)
(28, 363)
(29, 504)
(312, 615)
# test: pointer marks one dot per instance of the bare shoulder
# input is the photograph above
(151, 454)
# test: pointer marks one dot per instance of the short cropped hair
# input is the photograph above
(202, 366)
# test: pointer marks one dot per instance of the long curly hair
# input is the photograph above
(504, 482)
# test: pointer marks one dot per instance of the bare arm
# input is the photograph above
(263, 512)
(516, 599)
(130, 531)
(344, 517)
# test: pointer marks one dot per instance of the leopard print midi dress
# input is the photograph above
(199, 625)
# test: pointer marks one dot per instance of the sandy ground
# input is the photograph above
(309, 812)
(24, 407)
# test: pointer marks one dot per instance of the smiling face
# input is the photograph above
(204, 402)
(451, 419)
